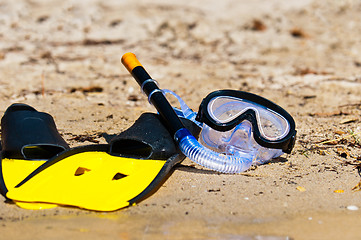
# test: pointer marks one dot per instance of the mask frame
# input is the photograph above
(285, 143)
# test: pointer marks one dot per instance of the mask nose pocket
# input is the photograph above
(240, 139)
(236, 141)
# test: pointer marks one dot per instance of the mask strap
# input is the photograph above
(187, 112)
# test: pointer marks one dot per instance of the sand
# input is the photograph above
(63, 57)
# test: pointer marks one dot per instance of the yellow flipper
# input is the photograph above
(88, 176)
(92, 180)
(14, 171)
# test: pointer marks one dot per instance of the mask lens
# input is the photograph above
(224, 109)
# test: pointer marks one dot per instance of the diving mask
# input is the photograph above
(241, 123)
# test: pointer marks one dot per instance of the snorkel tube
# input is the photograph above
(188, 144)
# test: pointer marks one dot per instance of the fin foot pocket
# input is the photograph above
(29, 134)
(148, 138)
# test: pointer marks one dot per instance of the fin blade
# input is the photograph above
(95, 189)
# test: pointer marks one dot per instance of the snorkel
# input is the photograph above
(188, 144)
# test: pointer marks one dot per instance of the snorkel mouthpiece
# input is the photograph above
(188, 144)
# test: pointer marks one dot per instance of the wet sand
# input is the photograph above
(63, 57)
(126, 226)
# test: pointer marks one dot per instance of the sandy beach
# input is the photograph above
(63, 57)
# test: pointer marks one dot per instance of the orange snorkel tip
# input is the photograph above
(130, 61)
